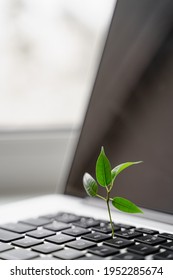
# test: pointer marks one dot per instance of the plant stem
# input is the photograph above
(101, 197)
(109, 212)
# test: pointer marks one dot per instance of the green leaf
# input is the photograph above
(103, 169)
(90, 185)
(119, 168)
(125, 205)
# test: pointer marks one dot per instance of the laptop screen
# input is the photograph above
(130, 110)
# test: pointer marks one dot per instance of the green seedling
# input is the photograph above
(105, 177)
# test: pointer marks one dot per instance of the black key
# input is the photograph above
(36, 222)
(167, 245)
(68, 254)
(167, 255)
(76, 231)
(47, 248)
(147, 230)
(60, 239)
(17, 227)
(125, 226)
(5, 247)
(80, 244)
(127, 256)
(27, 242)
(105, 228)
(7, 236)
(87, 222)
(127, 234)
(166, 235)
(119, 243)
(57, 226)
(142, 249)
(105, 223)
(103, 251)
(150, 240)
(96, 237)
(67, 218)
(18, 254)
(40, 233)
(93, 257)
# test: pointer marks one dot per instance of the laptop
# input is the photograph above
(130, 114)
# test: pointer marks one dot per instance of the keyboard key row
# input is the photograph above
(68, 236)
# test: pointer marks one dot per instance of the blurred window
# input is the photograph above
(49, 51)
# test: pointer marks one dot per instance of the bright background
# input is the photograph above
(49, 53)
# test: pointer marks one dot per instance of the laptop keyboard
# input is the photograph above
(67, 236)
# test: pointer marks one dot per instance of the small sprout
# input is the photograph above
(105, 178)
